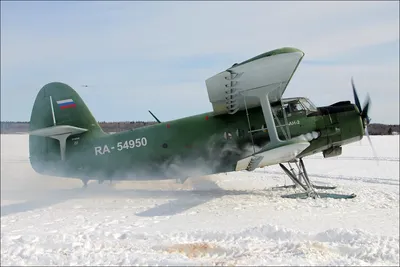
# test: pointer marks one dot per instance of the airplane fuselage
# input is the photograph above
(193, 146)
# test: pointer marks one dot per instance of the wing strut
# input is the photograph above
(268, 116)
(277, 150)
(248, 120)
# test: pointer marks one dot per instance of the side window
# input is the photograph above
(288, 109)
(297, 107)
(278, 110)
(294, 108)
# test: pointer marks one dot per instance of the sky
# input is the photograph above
(135, 56)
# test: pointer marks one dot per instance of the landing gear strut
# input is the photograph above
(307, 186)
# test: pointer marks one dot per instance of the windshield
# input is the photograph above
(294, 106)
(308, 104)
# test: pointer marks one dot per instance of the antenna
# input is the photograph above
(52, 110)
(154, 117)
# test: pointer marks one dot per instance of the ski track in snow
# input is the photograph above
(225, 219)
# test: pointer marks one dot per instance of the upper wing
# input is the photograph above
(271, 70)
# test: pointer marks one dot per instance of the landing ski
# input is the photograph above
(314, 186)
(323, 187)
(320, 195)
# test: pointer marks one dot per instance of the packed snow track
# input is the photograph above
(226, 219)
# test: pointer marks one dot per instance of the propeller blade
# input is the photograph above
(364, 116)
(364, 113)
(373, 149)
(356, 99)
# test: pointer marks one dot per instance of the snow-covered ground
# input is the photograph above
(226, 219)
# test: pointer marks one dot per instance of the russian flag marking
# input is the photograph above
(66, 103)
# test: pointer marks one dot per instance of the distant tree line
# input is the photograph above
(12, 127)
(383, 129)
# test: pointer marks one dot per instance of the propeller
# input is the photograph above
(364, 116)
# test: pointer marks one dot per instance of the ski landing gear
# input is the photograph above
(307, 186)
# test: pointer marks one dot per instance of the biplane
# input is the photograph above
(250, 126)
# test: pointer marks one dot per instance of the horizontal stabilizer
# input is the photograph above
(277, 155)
(58, 130)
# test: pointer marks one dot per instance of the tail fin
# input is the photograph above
(57, 114)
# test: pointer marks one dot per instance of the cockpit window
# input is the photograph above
(294, 106)
(308, 104)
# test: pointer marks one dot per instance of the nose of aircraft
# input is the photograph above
(352, 119)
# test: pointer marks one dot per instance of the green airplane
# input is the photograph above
(251, 126)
